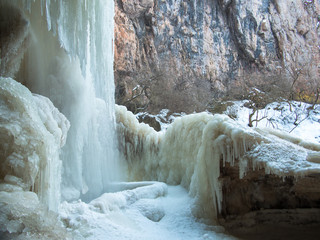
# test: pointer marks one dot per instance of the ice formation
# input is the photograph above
(32, 132)
(62, 51)
(24, 217)
(195, 147)
(65, 50)
(70, 61)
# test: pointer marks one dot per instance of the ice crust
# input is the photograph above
(194, 148)
(115, 201)
(22, 216)
(69, 59)
(32, 132)
(149, 211)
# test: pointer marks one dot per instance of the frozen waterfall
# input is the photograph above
(58, 125)
(64, 50)
(56, 56)
(195, 148)
(70, 61)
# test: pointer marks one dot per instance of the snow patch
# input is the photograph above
(149, 216)
(293, 118)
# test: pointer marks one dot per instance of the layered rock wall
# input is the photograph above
(179, 54)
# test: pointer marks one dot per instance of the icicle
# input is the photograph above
(48, 14)
(189, 153)
(75, 70)
(41, 6)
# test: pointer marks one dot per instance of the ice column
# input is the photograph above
(71, 62)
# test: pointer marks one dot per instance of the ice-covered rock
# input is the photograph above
(32, 132)
(22, 216)
(70, 62)
(222, 163)
(150, 210)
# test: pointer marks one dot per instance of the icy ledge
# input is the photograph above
(32, 132)
(196, 148)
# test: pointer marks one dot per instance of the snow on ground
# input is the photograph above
(150, 211)
(278, 115)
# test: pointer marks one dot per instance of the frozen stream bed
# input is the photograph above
(153, 210)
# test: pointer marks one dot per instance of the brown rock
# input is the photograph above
(192, 51)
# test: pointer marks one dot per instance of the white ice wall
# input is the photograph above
(32, 131)
(61, 50)
(70, 61)
(195, 147)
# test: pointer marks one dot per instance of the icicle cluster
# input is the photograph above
(32, 132)
(195, 147)
(62, 50)
(69, 59)
(85, 31)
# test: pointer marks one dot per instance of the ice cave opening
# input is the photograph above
(76, 166)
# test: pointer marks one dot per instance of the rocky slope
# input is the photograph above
(179, 54)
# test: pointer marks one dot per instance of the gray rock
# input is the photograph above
(187, 52)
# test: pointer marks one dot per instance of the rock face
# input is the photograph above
(180, 54)
(270, 206)
(14, 38)
(258, 191)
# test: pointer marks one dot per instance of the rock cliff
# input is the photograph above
(180, 54)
